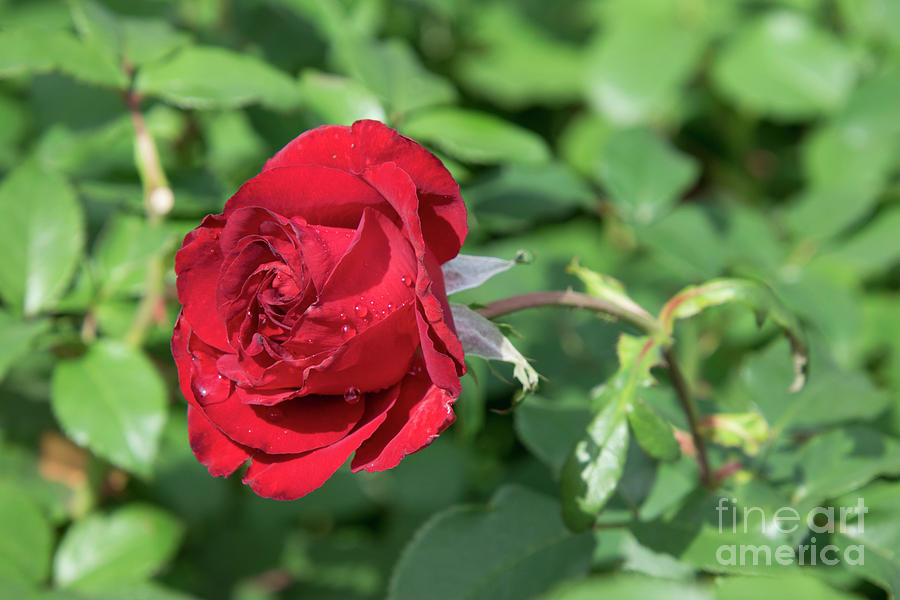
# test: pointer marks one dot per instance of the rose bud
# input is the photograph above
(314, 321)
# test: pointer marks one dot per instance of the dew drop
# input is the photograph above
(342, 317)
(347, 331)
(407, 281)
(351, 396)
(361, 310)
(274, 413)
(390, 306)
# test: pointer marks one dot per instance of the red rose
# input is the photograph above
(314, 319)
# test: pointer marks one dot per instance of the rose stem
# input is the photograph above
(690, 411)
(157, 202)
(640, 319)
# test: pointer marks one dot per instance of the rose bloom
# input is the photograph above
(314, 319)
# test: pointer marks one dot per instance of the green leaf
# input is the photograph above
(762, 381)
(113, 401)
(147, 40)
(481, 337)
(16, 337)
(97, 26)
(627, 586)
(874, 249)
(547, 428)
(759, 298)
(877, 531)
(207, 77)
(41, 236)
(633, 81)
(593, 469)
(339, 100)
(521, 195)
(784, 66)
(644, 174)
(514, 548)
(793, 585)
(125, 546)
(476, 137)
(27, 539)
(595, 465)
(605, 287)
(392, 71)
(841, 461)
(122, 252)
(513, 63)
(747, 431)
(652, 432)
(33, 51)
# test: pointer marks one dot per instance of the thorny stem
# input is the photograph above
(573, 299)
(690, 411)
(637, 317)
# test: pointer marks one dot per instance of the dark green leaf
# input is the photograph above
(549, 428)
(515, 548)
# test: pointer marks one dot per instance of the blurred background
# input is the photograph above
(663, 142)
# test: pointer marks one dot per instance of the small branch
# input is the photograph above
(158, 201)
(690, 411)
(572, 299)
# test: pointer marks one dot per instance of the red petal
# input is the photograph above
(421, 413)
(295, 425)
(197, 266)
(443, 350)
(319, 195)
(213, 449)
(370, 143)
(290, 477)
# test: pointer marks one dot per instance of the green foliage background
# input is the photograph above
(663, 142)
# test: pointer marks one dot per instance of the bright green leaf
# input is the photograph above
(652, 432)
(644, 174)
(339, 100)
(392, 71)
(208, 77)
(41, 236)
(125, 546)
(27, 51)
(476, 137)
(27, 538)
(113, 401)
(783, 65)
(757, 297)
(15, 339)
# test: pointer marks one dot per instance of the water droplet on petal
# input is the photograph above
(352, 396)
(274, 413)
(361, 310)
(347, 331)
(342, 317)
(407, 281)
